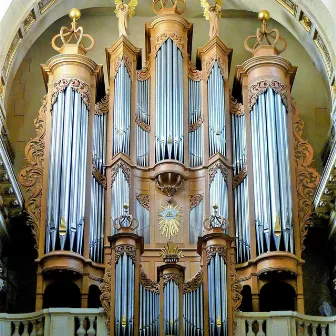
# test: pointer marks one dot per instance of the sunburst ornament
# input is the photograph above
(170, 219)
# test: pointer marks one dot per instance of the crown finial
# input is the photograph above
(264, 37)
(171, 254)
(215, 220)
(67, 35)
(161, 7)
(126, 220)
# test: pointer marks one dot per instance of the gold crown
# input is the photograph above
(169, 6)
(171, 253)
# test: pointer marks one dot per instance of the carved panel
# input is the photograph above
(289, 5)
(130, 250)
(144, 73)
(143, 200)
(236, 108)
(212, 250)
(31, 177)
(125, 168)
(240, 177)
(193, 73)
(12, 52)
(102, 107)
(105, 288)
(258, 88)
(162, 38)
(171, 276)
(100, 178)
(307, 178)
(193, 127)
(194, 283)
(148, 283)
(213, 170)
(195, 200)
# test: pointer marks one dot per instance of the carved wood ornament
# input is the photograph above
(194, 283)
(130, 250)
(148, 283)
(213, 171)
(125, 169)
(171, 276)
(162, 38)
(240, 177)
(193, 73)
(105, 288)
(31, 177)
(143, 200)
(236, 108)
(117, 64)
(144, 73)
(210, 64)
(195, 201)
(102, 107)
(100, 178)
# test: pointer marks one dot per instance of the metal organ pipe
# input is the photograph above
(273, 205)
(122, 111)
(169, 103)
(171, 308)
(216, 112)
(195, 223)
(143, 216)
(67, 170)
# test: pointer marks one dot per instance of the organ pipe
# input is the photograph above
(196, 222)
(171, 308)
(143, 216)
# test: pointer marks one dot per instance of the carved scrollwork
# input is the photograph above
(117, 63)
(194, 283)
(307, 178)
(171, 276)
(144, 73)
(210, 63)
(143, 200)
(126, 169)
(240, 177)
(100, 178)
(236, 108)
(162, 38)
(258, 88)
(130, 250)
(195, 200)
(193, 73)
(213, 171)
(236, 289)
(212, 250)
(193, 127)
(102, 107)
(31, 177)
(105, 288)
(142, 125)
(148, 283)
(76, 84)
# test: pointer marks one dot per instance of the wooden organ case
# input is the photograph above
(168, 193)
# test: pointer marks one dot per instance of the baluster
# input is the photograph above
(300, 328)
(16, 328)
(314, 329)
(25, 328)
(260, 328)
(324, 329)
(34, 329)
(81, 330)
(249, 327)
(39, 327)
(91, 331)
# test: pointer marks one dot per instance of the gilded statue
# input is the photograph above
(212, 13)
(124, 13)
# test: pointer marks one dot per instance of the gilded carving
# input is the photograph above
(289, 5)
(143, 200)
(236, 108)
(11, 52)
(76, 84)
(162, 38)
(305, 21)
(102, 107)
(194, 283)
(195, 200)
(144, 73)
(31, 177)
(171, 277)
(213, 171)
(260, 87)
(240, 177)
(193, 127)
(100, 178)
(126, 169)
(145, 127)
(212, 250)
(193, 73)
(147, 283)
(307, 178)
(130, 250)
(45, 4)
(105, 288)
(29, 21)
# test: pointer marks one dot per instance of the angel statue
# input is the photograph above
(124, 12)
(212, 13)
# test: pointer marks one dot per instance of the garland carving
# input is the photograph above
(31, 177)
(162, 38)
(212, 250)
(143, 200)
(213, 171)
(236, 108)
(193, 73)
(130, 250)
(100, 178)
(145, 127)
(125, 169)
(194, 283)
(171, 276)
(144, 73)
(117, 64)
(105, 297)
(102, 107)
(193, 127)
(148, 284)
(210, 64)
(195, 201)
(307, 178)
(240, 177)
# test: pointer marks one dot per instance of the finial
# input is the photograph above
(124, 12)
(126, 220)
(264, 37)
(75, 33)
(212, 13)
(215, 220)
(171, 253)
(162, 7)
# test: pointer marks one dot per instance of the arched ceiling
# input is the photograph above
(312, 22)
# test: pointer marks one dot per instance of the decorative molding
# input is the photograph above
(145, 127)
(143, 200)
(117, 64)
(195, 201)
(130, 250)
(212, 250)
(102, 107)
(100, 178)
(29, 21)
(288, 5)
(193, 127)
(236, 108)
(307, 178)
(210, 64)
(76, 84)
(162, 38)
(126, 169)
(194, 283)
(31, 177)
(171, 276)
(240, 177)
(260, 87)
(193, 73)
(144, 73)
(44, 5)
(305, 21)
(147, 283)
(213, 171)
(105, 288)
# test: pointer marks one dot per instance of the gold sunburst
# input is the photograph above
(169, 219)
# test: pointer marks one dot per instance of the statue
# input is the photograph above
(124, 12)
(212, 13)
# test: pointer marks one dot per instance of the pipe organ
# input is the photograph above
(169, 192)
